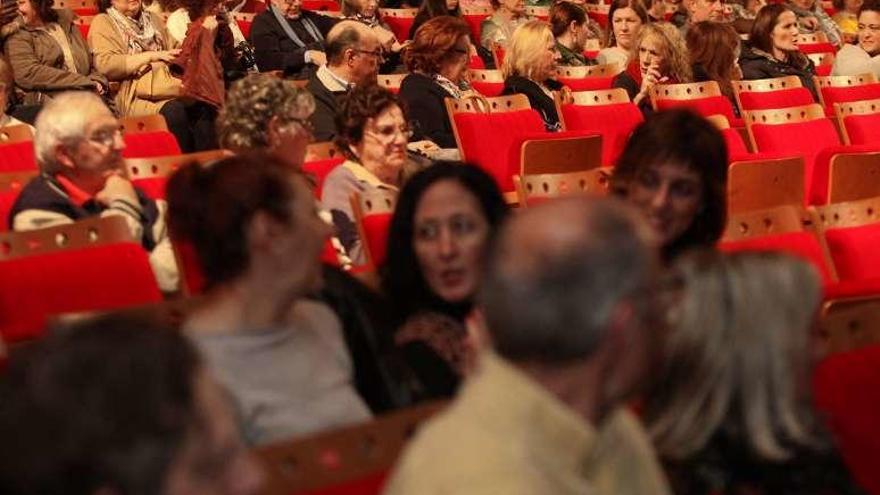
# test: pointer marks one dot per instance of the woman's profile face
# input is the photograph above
(547, 62)
(28, 11)
(626, 25)
(785, 32)
(669, 195)
(367, 8)
(450, 234)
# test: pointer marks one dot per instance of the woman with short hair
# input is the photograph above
(864, 56)
(529, 68)
(626, 18)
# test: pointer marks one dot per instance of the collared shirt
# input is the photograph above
(332, 81)
(505, 433)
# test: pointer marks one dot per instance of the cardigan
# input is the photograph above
(425, 105)
(274, 50)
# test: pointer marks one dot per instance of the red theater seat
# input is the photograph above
(854, 251)
(783, 98)
(372, 213)
(150, 144)
(804, 245)
(17, 157)
(608, 113)
(399, 20)
(863, 129)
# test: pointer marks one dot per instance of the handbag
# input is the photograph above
(157, 83)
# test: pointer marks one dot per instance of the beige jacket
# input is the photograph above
(38, 61)
(112, 60)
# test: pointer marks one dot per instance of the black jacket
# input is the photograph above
(274, 50)
(538, 99)
(326, 106)
(757, 64)
(424, 100)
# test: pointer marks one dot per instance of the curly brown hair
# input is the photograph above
(434, 44)
(362, 103)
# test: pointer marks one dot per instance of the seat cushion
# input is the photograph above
(15, 157)
(150, 144)
(376, 231)
(854, 251)
(711, 105)
(850, 93)
(319, 170)
(783, 98)
(863, 129)
(614, 123)
(588, 83)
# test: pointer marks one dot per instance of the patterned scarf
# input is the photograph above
(138, 34)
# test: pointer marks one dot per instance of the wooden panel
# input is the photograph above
(688, 91)
(844, 81)
(401, 13)
(821, 59)
(542, 156)
(390, 80)
(599, 97)
(545, 186)
(163, 166)
(777, 116)
(16, 134)
(89, 232)
(322, 151)
(850, 324)
(771, 221)
(487, 11)
(854, 176)
(580, 72)
(764, 85)
(143, 123)
(811, 38)
(538, 11)
(719, 121)
(488, 105)
(849, 213)
(862, 107)
(486, 75)
(764, 184)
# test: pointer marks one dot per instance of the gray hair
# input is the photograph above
(64, 118)
(552, 301)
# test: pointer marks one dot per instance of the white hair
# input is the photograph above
(64, 118)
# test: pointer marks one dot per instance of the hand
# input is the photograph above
(210, 23)
(318, 58)
(651, 78)
(165, 55)
(117, 187)
(565, 95)
(810, 23)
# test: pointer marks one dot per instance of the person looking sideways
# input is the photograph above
(847, 18)
(627, 18)
(529, 68)
(772, 48)
(499, 28)
(119, 404)
(48, 54)
(659, 57)
(674, 170)
(571, 27)
(290, 39)
(78, 145)
(367, 12)
(864, 56)
(567, 298)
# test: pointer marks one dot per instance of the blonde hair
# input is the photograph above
(676, 60)
(737, 358)
(526, 49)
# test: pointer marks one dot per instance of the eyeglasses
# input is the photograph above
(387, 133)
(377, 54)
(106, 137)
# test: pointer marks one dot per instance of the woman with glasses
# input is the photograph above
(863, 57)
(444, 222)
(373, 134)
(437, 60)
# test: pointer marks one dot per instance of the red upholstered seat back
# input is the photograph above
(863, 129)
(486, 140)
(782, 98)
(613, 122)
(154, 187)
(7, 199)
(84, 30)
(245, 27)
(823, 47)
(850, 93)
(400, 26)
(318, 5)
(801, 138)
(854, 251)
(19, 156)
(474, 21)
(845, 386)
(370, 485)
(588, 83)
(150, 144)
(190, 269)
(476, 63)
(376, 231)
(802, 244)
(488, 89)
(319, 170)
(33, 288)
(736, 148)
(711, 105)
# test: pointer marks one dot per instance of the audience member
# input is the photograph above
(730, 410)
(863, 57)
(571, 28)
(659, 57)
(812, 18)
(373, 133)
(267, 113)
(627, 18)
(567, 300)
(745, 10)
(180, 20)
(431, 9)
(499, 28)
(48, 54)
(714, 49)
(7, 95)
(701, 11)
(119, 405)
(444, 222)
(290, 39)
(656, 10)
(353, 58)
(529, 68)
(367, 12)
(674, 169)
(772, 48)
(847, 18)
(78, 145)
(281, 356)
(131, 45)
(437, 60)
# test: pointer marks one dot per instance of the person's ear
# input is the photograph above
(64, 157)
(573, 27)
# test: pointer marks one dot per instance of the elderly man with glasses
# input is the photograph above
(78, 144)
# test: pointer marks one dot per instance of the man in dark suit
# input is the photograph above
(289, 39)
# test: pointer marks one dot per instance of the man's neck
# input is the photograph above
(575, 384)
(341, 73)
(566, 40)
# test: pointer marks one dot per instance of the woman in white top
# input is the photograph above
(863, 57)
(627, 18)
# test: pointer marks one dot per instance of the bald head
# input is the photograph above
(556, 274)
(347, 35)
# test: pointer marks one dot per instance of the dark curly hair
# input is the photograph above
(44, 9)
(362, 103)
(434, 43)
(211, 208)
(402, 279)
(681, 136)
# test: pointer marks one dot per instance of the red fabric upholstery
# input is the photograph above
(599, 17)
(245, 27)
(863, 129)
(823, 70)
(854, 251)
(83, 30)
(712, 105)
(490, 150)
(330, 5)
(15, 157)
(376, 232)
(153, 186)
(476, 63)
(319, 170)
(851, 93)
(588, 83)
(845, 386)
(802, 244)
(488, 89)
(190, 269)
(613, 122)
(86, 11)
(7, 199)
(474, 22)
(328, 254)
(150, 144)
(591, 54)
(736, 148)
(816, 48)
(400, 26)
(783, 98)
(34, 288)
(368, 485)
(801, 138)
